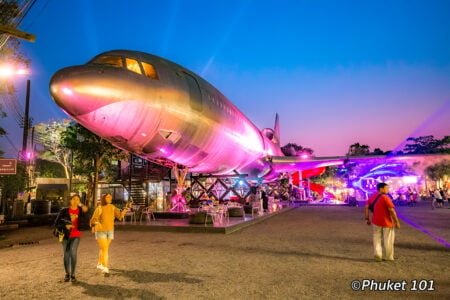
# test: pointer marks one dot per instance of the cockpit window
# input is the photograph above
(133, 65)
(109, 60)
(149, 70)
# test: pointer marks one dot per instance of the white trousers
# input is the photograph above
(385, 235)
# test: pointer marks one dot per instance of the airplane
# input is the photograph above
(157, 109)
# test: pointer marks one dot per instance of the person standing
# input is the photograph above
(383, 221)
(448, 196)
(265, 200)
(69, 221)
(102, 222)
(438, 198)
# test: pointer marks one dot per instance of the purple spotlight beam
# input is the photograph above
(435, 237)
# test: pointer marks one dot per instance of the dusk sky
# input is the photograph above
(337, 72)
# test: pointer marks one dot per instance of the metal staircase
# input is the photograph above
(137, 193)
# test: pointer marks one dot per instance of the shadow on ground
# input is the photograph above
(152, 277)
(115, 292)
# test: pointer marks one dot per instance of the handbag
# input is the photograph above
(59, 234)
(59, 229)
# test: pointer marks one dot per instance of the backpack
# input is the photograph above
(372, 205)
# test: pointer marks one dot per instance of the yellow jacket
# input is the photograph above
(103, 217)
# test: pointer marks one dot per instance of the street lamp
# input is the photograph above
(8, 71)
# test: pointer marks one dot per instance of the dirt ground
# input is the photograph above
(305, 253)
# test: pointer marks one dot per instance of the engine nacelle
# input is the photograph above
(268, 133)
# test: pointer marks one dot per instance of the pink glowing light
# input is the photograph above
(162, 150)
(28, 155)
(67, 91)
(304, 156)
(22, 72)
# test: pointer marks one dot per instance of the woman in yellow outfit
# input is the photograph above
(102, 222)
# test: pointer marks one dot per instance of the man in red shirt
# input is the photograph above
(383, 220)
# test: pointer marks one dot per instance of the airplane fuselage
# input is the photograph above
(155, 108)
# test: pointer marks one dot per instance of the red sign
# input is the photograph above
(8, 166)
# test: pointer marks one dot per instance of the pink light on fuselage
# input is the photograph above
(67, 91)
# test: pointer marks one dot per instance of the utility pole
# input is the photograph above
(26, 120)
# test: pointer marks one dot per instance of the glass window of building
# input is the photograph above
(133, 65)
(149, 70)
(109, 60)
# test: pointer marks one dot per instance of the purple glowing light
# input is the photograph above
(427, 232)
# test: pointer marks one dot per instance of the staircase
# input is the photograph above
(137, 193)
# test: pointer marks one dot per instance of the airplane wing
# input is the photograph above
(283, 164)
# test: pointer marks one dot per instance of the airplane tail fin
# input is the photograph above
(273, 134)
(276, 128)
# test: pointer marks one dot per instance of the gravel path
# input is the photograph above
(305, 253)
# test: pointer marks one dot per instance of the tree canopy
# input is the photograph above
(427, 145)
(50, 136)
(9, 54)
(292, 149)
(438, 170)
(91, 154)
(357, 149)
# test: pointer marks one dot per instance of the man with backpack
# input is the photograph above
(383, 221)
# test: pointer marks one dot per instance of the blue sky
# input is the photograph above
(337, 72)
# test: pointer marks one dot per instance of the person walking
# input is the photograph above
(102, 223)
(383, 220)
(438, 198)
(70, 221)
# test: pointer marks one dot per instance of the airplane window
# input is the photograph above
(133, 65)
(149, 70)
(109, 60)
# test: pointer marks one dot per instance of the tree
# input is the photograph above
(49, 136)
(12, 185)
(330, 173)
(378, 151)
(358, 150)
(91, 154)
(439, 170)
(9, 53)
(426, 145)
(292, 149)
(49, 169)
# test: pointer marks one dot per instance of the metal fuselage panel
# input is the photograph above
(158, 117)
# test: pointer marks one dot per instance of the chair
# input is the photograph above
(148, 212)
(255, 208)
(210, 211)
(222, 211)
(132, 214)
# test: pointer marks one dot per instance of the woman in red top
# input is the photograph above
(68, 221)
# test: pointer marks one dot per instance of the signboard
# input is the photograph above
(8, 166)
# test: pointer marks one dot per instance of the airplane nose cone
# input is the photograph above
(74, 91)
